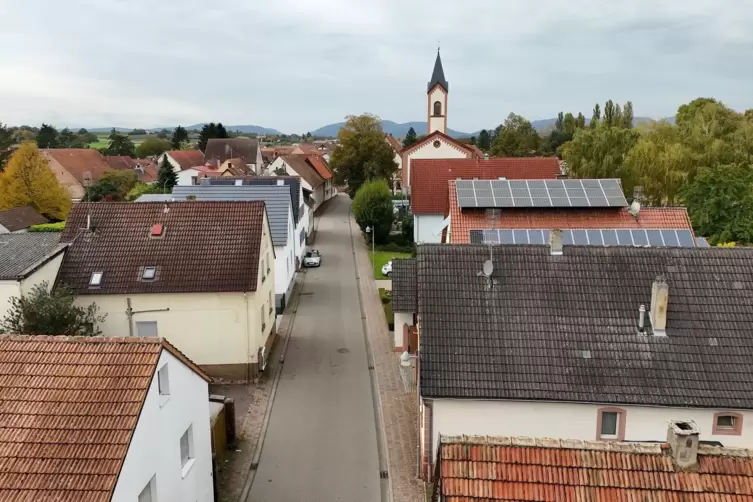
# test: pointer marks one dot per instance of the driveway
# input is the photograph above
(321, 443)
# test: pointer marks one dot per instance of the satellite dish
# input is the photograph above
(488, 268)
(635, 208)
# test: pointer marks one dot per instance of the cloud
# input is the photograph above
(296, 64)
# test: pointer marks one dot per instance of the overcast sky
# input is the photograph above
(295, 65)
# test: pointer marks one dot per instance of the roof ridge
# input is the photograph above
(79, 339)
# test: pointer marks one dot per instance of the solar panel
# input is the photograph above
(540, 193)
(591, 237)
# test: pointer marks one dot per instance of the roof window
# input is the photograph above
(157, 230)
(149, 273)
(96, 279)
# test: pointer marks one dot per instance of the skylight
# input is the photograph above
(95, 279)
(149, 273)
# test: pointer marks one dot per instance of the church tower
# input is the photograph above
(437, 91)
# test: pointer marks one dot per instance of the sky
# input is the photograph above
(296, 65)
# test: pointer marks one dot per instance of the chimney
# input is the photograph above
(555, 242)
(682, 436)
(641, 318)
(659, 301)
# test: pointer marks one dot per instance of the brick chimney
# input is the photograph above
(659, 301)
(682, 436)
(555, 242)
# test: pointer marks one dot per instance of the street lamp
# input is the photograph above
(369, 231)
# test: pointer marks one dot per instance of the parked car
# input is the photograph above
(387, 269)
(312, 258)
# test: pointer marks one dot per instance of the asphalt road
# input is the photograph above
(321, 443)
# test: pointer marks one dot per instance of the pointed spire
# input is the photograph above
(437, 76)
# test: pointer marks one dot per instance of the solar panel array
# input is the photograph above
(596, 237)
(540, 193)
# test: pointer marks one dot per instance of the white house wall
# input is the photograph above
(446, 150)
(437, 123)
(569, 420)
(427, 228)
(185, 177)
(154, 449)
(47, 272)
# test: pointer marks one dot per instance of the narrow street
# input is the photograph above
(321, 442)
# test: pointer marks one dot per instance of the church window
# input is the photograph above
(437, 109)
(437, 144)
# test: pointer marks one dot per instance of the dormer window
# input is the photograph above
(149, 273)
(157, 230)
(96, 279)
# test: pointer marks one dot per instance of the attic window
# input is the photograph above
(149, 273)
(157, 230)
(728, 424)
(96, 279)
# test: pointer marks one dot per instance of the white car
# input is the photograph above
(387, 269)
(312, 259)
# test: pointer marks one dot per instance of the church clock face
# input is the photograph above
(437, 144)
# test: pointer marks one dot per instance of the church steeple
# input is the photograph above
(437, 91)
(437, 76)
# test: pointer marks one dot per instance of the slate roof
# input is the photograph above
(70, 406)
(232, 148)
(564, 328)
(562, 470)
(79, 161)
(187, 158)
(294, 182)
(20, 218)
(462, 221)
(429, 178)
(206, 247)
(299, 164)
(404, 297)
(276, 200)
(437, 76)
(21, 254)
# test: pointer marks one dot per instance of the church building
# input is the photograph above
(437, 144)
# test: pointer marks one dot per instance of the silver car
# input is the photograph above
(312, 259)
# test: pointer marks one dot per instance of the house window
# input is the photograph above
(149, 273)
(146, 328)
(611, 424)
(149, 493)
(263, 275)
(728, 424)
(263, 316)
(194, 180)
(186, 451)
(437, 109)
(96, 279)
(163, 381)
(268, 262)
(270, 302)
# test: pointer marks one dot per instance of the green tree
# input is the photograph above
(113, 185)
(166, 177)
(163, 134)
(580, 121)
(137, 132)
(484, 143)
(210, 131)
(687, 112)
(559, 124)
(373, 208)
(7, 143)
(569, 124)
(362, 153)
(69, 139)
(152, 146)
(720, 203)
(600, 153)
(120, 144)
(410, 138)
(595, 117)
(627, 115)
(28, 180)
(617, 119)
(103, 190)
(179, 137)
(86, 137)
(47, 137)
(609, 113)
(516, 138)
(45, 312)
(142, 188)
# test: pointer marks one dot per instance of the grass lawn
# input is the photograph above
(379, 258)
(383, 295)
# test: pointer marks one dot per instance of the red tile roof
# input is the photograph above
(147, 174)
(462, 221)
(300, 165)
(222, 240)
(428, 186)
(187, 158)
(543, 470)
(318, 163)
(78, 161)
(395, 144)
(70, 406)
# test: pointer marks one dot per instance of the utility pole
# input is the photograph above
(129, 314)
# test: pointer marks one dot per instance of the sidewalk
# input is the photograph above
(399, 408)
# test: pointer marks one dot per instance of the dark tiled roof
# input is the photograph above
(20, 253)
(187, 158)
(429, 178)
(564, 328)
(19, 218)
(437, 76)
(531, 469)
(404, 285)
(205, 247)
(294, 182)
(71, 405)
(232, 148)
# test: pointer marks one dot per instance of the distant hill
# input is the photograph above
(389, 127)
(247, 129)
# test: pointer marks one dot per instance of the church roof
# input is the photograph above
(437, 76)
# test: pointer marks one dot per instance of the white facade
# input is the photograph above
(401, 318)
(437, 122)
(320, 193)
(285, 260)
(176, 166)
(569, 420)
(154, 452)
(427, 228)
(428, 150)
(47, 272)
(189, 177)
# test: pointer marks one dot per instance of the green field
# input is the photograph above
(104, 142)
(381, 257)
